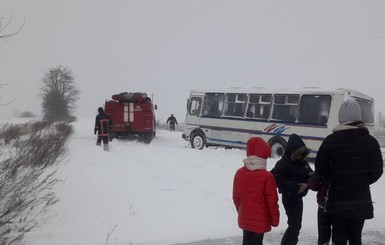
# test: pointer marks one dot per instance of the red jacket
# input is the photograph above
(256, 200)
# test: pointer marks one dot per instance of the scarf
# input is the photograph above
(254, 163)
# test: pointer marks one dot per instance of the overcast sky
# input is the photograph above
(167, 48)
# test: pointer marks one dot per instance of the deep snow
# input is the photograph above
(160, 193)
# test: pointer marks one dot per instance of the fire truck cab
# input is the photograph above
(132, 115)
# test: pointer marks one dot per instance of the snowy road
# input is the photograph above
(160, 194)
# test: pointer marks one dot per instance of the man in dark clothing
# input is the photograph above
(103, 125)
(172, 121)
(291, 174)
(350, 158)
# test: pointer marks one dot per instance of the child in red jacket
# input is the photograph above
(255, 193)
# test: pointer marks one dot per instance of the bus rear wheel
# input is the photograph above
(278, 146)
(197, 141)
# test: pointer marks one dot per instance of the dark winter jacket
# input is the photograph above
(350, 158)
(172, 120)
(103, 124)
(292, 169)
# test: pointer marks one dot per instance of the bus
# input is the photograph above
(229, 117)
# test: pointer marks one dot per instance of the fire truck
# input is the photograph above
(132, 115)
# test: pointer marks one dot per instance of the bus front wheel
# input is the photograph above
(197, 141)
(278, 146)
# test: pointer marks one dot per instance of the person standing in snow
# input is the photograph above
(324, 223)
(255, 193)
(103, 125)
(291, 174)
(172, 121)
(350, 158)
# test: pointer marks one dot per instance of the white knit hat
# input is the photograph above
(350, 111)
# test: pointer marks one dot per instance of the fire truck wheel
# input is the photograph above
(147, 138)
(198, 141)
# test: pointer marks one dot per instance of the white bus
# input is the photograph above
(229, 117)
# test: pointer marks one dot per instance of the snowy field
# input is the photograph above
(159, 194)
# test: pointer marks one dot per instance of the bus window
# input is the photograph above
(213, 104)
(367, 111)
(314, 109)
(285, 107)
(195, 106)
(259, 106)
(235, 105)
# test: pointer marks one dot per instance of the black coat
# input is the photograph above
(289, 172)
(350, 158)
(172, 120)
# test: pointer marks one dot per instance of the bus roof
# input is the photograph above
(304, 90)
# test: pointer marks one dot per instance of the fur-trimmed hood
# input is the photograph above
(296, 148)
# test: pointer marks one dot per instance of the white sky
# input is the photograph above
(167, 48)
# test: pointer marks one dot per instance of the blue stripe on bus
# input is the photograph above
(252, 132)
(227, 141)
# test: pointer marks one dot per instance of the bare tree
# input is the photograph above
(4, 35)
(8, 102)
(28, 154)
(59, 93)
(4, 25)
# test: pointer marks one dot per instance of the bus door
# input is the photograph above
(194, 107)
(211, 120)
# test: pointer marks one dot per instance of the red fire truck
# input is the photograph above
(133, 116)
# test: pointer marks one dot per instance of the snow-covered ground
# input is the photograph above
(160, 193)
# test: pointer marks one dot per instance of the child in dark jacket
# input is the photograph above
(291, 174)
(324, 223)
(255, 193)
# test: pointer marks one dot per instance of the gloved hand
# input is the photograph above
(95, 131)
